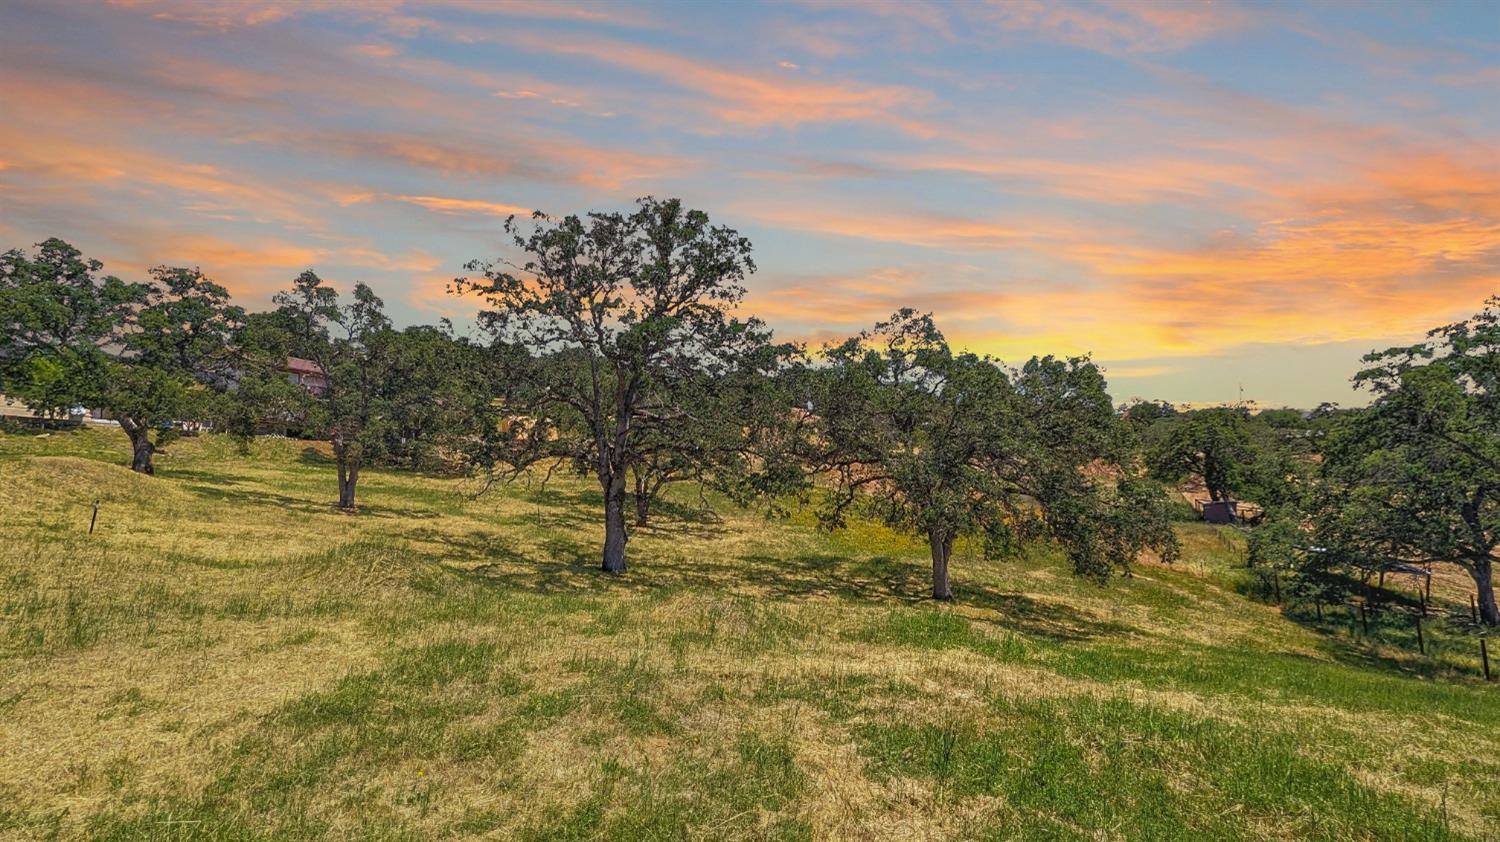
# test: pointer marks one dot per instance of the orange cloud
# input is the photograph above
(205, 189)
(1402, 244)
(442, 204)
(227, 15)
(559, 160)
(850, 303)
(750, 99)
(1119, 181)
(256, 266)
(918, 228)
(430, 293)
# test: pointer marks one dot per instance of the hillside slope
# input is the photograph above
(227, 657)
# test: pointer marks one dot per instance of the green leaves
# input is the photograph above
(1416, 476)
(147, 353)
(946, 444)
(58, 315)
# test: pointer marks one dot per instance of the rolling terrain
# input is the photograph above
(228, 657)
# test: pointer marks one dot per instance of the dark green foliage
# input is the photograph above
(1416, 476)
(733, 439)
(1144, 413)
(614, 330)
(1261, 457)
(57, 315)
(380, 395)
(946, 445)
(1211, 444)
(151, 354)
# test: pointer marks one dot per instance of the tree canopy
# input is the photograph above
(949, 445)
(152, 354)
(376, 393)
(611, 317)
(1416, 476)
(58, 313)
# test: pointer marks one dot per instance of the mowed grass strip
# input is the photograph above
(228, 657)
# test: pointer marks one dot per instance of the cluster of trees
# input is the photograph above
(620, 354)
(1413, 479)
(609, 343)
(173, 354)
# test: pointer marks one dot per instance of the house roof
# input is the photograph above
(301, 366)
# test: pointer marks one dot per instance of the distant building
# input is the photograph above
(1221, 511)
(307, 374)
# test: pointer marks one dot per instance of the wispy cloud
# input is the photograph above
(739, 97)
(442, 204)
(1153, 182)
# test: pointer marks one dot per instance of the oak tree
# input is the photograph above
(948, 445)
(346, 343)
(1416, 475)
(153, 355)
(611, 315)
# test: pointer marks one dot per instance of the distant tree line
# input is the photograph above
(609, 345)
(1410, 481)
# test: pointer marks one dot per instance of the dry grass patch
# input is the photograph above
(228, 657)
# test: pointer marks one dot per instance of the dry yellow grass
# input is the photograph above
(229, 657)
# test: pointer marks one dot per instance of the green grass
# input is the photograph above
(1116, 766)
(228, 657)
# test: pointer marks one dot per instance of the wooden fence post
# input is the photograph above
(1421, 645)
(1484, 658)
(94, 517)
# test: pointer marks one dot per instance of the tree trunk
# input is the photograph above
(942, 550)
(140, 446)
(348, 478)
(1489, 613)
(642, 501)
(614, 525)
(140, 459)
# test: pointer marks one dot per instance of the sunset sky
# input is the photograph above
(1203, 195)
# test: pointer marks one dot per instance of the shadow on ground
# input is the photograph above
(564, 565)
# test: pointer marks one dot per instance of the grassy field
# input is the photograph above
(227, 657)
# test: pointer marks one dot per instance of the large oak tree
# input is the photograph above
(948, 445)
(152, 354)
(1416, 476)
(59, 314)
(606, 320)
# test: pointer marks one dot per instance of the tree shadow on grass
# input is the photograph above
(669, 512)
(683, 528)
(583, 511)
(1390, 622)
(1051, 620)
(232, 494)
(314, 456)
(885, 579)
(1344, 639)
(559, 565)
(565, 565)
(207, 478)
